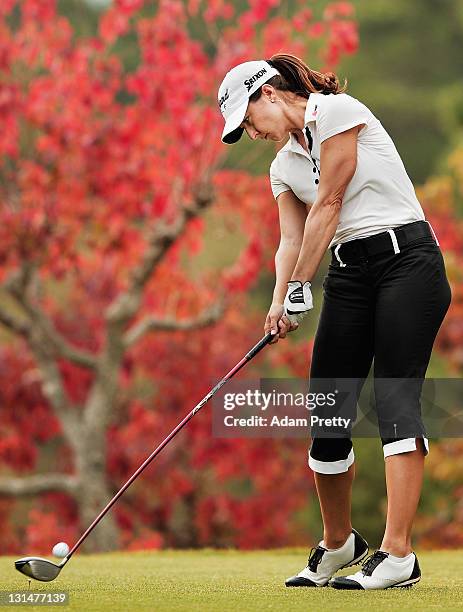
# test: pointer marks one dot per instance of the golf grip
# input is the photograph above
(255, 349)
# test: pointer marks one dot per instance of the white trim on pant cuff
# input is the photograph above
(332, 467)
(403, 446)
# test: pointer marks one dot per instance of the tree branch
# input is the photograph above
(162, 237)
(46, 344)
(13, 324)
(61, 346)
(17, 286)
(151, 324)
(41, 483)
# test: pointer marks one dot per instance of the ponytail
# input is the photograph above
(295, 76)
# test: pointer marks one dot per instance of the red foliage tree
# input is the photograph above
(113, 329)
(443, 198)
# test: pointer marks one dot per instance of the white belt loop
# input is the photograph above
(433, 233)
(395, 244)
(336, 253)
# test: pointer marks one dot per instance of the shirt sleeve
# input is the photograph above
(277, 185)
(339, 113)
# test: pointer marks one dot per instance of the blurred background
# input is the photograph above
(136, 263)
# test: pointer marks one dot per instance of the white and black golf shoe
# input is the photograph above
(323, 562)
(381, 571)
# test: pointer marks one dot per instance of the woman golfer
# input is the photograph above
(339, 183)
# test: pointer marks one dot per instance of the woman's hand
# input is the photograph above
(277, 321)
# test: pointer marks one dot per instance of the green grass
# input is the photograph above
(224, 581)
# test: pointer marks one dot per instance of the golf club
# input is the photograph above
(44, 570)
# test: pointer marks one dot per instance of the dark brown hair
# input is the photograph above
(295, 76)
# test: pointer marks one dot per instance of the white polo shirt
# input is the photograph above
(380, 195)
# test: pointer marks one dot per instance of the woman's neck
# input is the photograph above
(298, 134)
(295, 113)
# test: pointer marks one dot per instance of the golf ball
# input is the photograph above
(61, 549)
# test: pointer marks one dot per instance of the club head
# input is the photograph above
(39, 569)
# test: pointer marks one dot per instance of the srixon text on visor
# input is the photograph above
(253, 79)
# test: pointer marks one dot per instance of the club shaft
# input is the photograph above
(259, 346)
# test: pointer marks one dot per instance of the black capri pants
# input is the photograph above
(385, 298)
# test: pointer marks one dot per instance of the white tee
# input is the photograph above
(380, 195)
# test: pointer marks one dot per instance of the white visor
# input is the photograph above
(237, 87)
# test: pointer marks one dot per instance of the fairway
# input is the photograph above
(222, 581)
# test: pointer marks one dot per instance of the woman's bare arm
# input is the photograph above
(292, 214)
